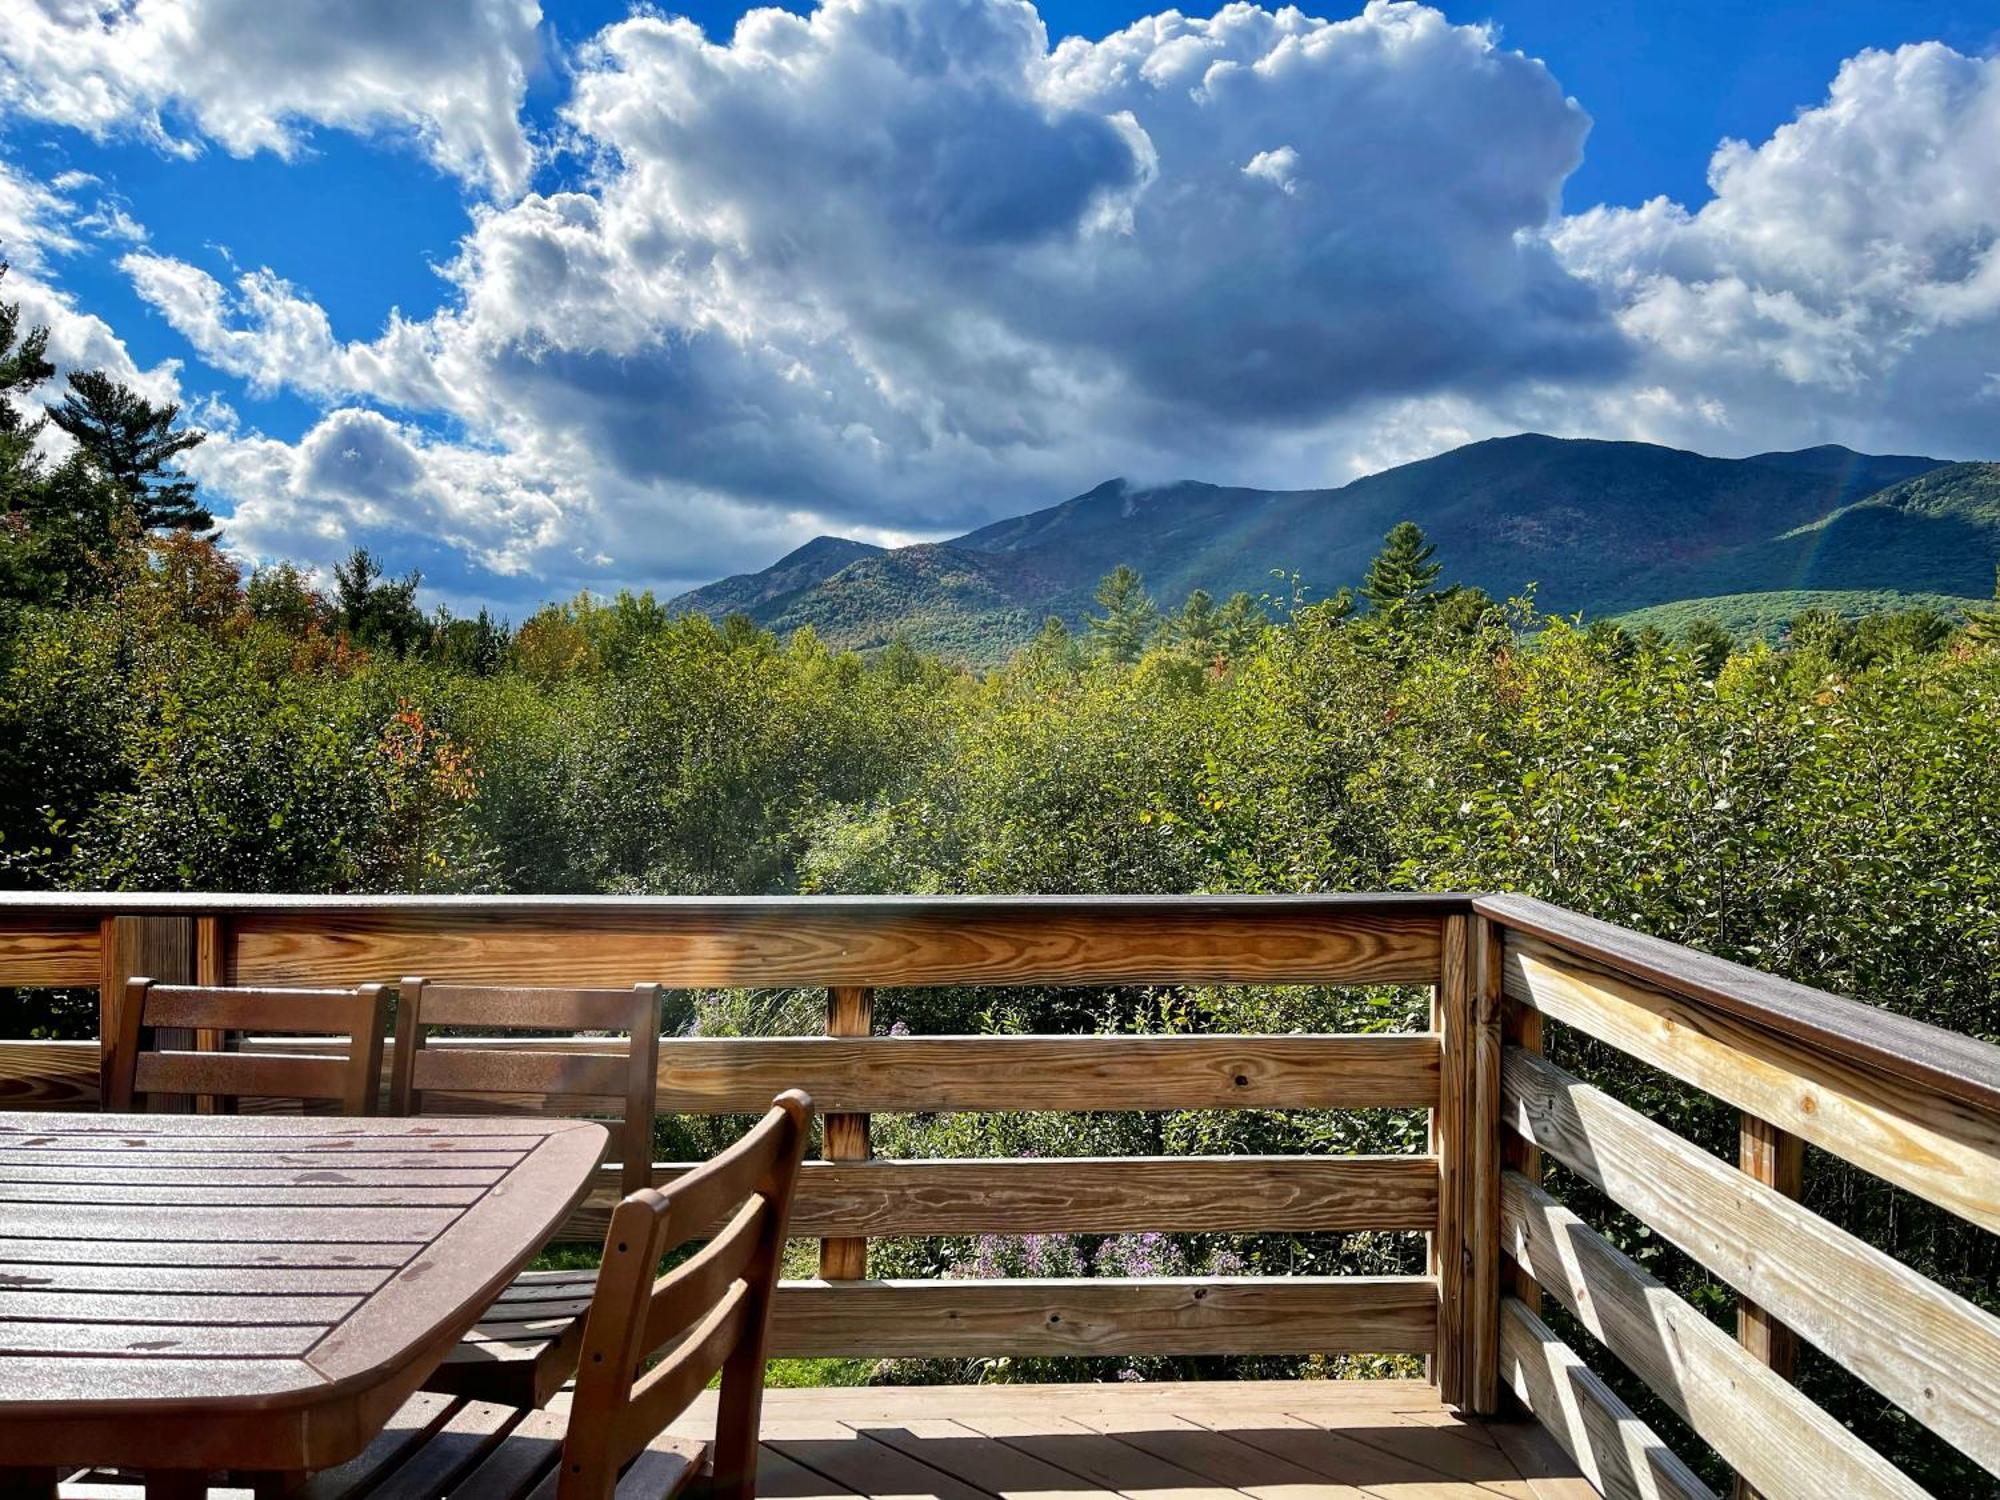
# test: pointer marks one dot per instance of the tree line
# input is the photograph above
(1824, 809)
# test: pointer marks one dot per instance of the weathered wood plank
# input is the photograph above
(824, 940)
(1776, 1158)
(850, 1012)
(1167, 1315)
(1732, 1400)
(806, 942)
(1451, 1019)
(1617, 1452)
(927, 1074)
(53, 948)
(1938, 1147)
(1087, 1195)
(1482, 1174)
(49, 1075)
(1936, 1060)
(1933, 1354)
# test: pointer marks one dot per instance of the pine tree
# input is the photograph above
(23, 366)
(1195, 630)
(1402, 574)
(133, 443)
(1711, 644)
(374, 610)
(1240, 625)
(1983, 625)
(1130, 617)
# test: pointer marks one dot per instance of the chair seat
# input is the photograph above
(525, 1346)
(445, 1446)
(440, 1447)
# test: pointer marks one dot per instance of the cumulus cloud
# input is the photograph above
(40, 224)
(898, 266)
(1843, 281)
(248, 74)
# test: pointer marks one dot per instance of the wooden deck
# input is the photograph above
(1273, 1440)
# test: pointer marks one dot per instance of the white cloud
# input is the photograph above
(248, 74)
(898, 266)
(1843, 283)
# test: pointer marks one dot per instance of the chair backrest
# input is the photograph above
(711, 1312)
(593, 1082)
(132, 1068)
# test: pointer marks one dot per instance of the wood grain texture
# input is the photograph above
(1775, 1158)
(1482, 1174)
(1617, 1452)
(1731, 1400)
(1167, 1315)
(269, 1323)
(927, 1074)
(1936, 1060)
(160, 948)
(1451, 1019)
(1087, 1195)
(1932, 1353)
(51, 948)
(49, 1075)
(1940, 1148)
(850, 1012)
(818, 940)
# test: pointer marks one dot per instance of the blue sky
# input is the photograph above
(661, 317)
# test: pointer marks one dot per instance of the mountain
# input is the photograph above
(1604, 527)
(817, 560)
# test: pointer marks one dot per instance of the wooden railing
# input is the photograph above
(1918, 1107)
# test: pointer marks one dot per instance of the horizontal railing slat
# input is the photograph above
(1617, 1453)
(1938, 1147)
(1178, 1315)
(1928, 1057)
(803, 943)
(921, 1075)
(1932, 1353)
(49, 948)
(1088, 1195)
(1733, 1402)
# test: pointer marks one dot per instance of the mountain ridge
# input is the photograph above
(1601, 526)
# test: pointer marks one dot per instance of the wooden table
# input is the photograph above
(190, 1292)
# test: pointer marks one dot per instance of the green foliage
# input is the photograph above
(1130, 616)
(1403, 573)
(132, 443)
(374, 610)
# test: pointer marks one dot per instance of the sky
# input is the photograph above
(582, 295)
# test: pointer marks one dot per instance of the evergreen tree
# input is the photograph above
(23, 366)
(374, 610)
(1402, 574)
(1195, 631)
(132, 443)
(1711, 644)
(1240, 624)
(1130, 616)
(1983, 625)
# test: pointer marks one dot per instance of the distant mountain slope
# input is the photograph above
(818, 559)
(1599, 526)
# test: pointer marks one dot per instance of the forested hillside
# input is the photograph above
(1827, 808)
(1598, 527)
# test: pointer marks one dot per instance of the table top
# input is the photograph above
(261, 1292)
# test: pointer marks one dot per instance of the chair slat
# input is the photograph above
(280, 1076)
(470, 1070)
(318, 1012)
(698, 1283)
(664, 1391)
(538, 1009)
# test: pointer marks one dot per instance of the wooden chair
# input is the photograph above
(354, 1082)
(526, 1346)
(710, 1313)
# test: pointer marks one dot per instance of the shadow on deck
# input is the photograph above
(1379, 1439)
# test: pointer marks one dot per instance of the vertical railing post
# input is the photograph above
(1520, 1027)
(1775, 1157)
(1482, 1173)
(1451, 1019)
(850, 1011)
(161, 948)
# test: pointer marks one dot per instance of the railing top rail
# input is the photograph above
(141, 903)
(1948, 1062)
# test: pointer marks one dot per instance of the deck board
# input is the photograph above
(1249, 1440)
